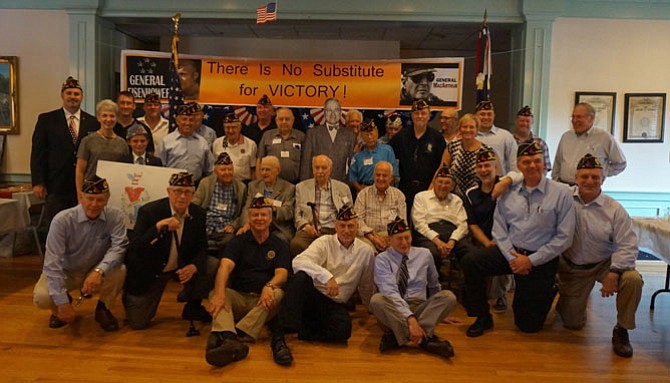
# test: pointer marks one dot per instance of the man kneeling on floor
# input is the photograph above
(85, 249)
(604, 250)
(327, 273)
(403, 275)
(248, 288)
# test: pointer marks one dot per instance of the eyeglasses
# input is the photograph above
(428, 76)
(183, 192)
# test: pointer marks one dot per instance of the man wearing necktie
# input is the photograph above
(338, 144)
(410, 301)
(54, 151)
(138, 140)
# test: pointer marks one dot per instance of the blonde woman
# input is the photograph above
(104, 144)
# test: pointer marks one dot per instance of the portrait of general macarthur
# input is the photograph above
(417, 83)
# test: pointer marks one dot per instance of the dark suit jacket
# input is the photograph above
(149, 250)
(54, 155)
(149, 159)
(317, 141)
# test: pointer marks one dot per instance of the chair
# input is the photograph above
(33, 228)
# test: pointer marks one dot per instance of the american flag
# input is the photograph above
(176, 97)
(266, 13)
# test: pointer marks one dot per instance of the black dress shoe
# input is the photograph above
(229, 350)
(388, 342)
(438, 347)
(620, 342)
(281, 354)
(481, 324)
(197, 312)
(106, 320)
(54, 322)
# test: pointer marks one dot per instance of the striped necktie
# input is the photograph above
(403, 277)
(72, 126)
(140, 160)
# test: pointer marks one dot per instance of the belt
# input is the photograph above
(566, 182)
(523, 251)
(587, 266)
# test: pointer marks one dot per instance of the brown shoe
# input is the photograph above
(620, 342)
(106, 320)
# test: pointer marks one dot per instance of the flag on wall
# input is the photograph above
(484, 70)
(266, 13)
(175, 94)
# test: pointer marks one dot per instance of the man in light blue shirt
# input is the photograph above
(410, 302)
(85, 249)
(533, 224)
(185, 149)
(363, 164)
(501, 140)
(604, 250)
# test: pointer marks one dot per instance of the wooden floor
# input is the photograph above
(30, 351)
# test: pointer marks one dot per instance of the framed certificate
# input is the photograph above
(644, 117)
(604, 104)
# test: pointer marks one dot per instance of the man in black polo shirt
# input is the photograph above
(419, 151)
(252, 272)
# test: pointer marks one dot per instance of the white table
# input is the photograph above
(654, 234)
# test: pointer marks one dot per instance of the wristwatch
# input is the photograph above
(99, 271)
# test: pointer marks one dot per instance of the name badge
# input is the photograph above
(276, 141)
(367, 162)
(221, 206)
(284, 154)
(276, 203)
(296, 146)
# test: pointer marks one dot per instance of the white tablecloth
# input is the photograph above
(654, 234)
(12, 217)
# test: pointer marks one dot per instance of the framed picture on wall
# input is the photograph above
(604, 104)
(9, 97)
(644, 117)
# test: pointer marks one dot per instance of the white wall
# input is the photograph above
(40, 40)
(622, 56)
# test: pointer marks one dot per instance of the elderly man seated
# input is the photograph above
(279, 192)
(440, 219)
(377, 205)
(223, 198)
(248, 289)
(410, 301)
(317, 201)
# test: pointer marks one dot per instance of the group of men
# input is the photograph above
(293, 256)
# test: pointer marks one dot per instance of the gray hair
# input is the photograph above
(106, 104)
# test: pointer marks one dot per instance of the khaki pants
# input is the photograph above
(378, 233)
(428, 313)
(575, 287)
(245, 311)
(112, 284)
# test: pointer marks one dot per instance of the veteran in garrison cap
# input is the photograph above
(84, 255)
(168, 243)
(222, 197)
(249, 287)
(523, 131)
(184, 148)
(604, 250)
(53, 155)
(265, 112)
(440, 219)
(152, 118)
(533, 224)
(410, 302)
(326, 275)
(241, 149)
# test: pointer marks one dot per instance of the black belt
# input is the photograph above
(587, 266)
(566, 182)
(327, 230)
(523, 251)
